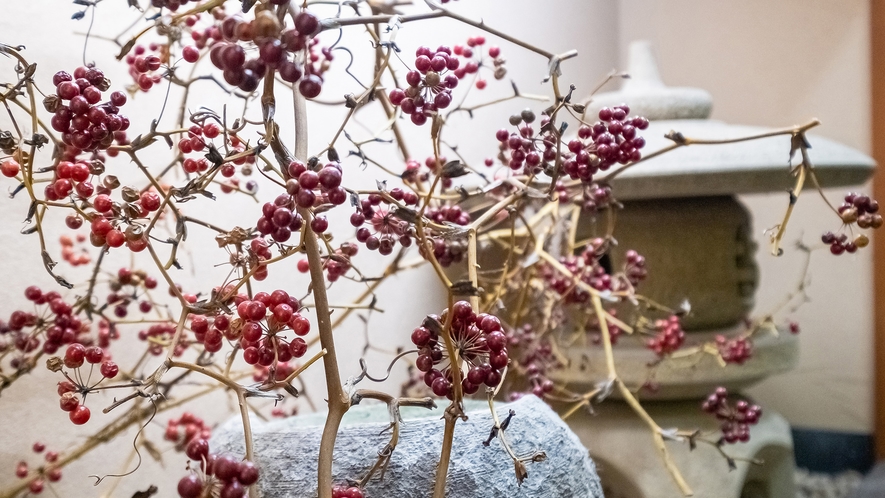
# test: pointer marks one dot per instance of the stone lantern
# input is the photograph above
(681, 212)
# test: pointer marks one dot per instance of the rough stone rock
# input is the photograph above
(286, 451)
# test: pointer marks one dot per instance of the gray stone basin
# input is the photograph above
(287, 450)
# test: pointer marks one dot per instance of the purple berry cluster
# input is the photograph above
(535, 356)
(668, 338)
(275, 47)
(856, 209)
(612, 139)
(735, 420)
(737, 350)
(430, 88)
(479, 340)
(85, 122)
(377, 227)
(305, 188)
(233, 475)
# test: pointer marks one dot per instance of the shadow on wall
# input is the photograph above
(615, 484)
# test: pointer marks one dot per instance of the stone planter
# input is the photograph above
(286, 451)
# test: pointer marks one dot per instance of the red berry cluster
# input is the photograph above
(193, 142)
(162, 333)
(416, 173)
(50, 473)
(259, 251)
(436, 74)
(586, 267)
(70, 178)
(186, 428)
(479, 340)
(226, 472)
(68, 251)
(634, 268)
(202, 36)
(669, 336)
(612, 139)
(280, 371)
(337, 264)
(595, 333)
(735, 420)
(737, 350)
(430, 89)
(107, 223)
(126, 289)
(85, 122)
(345, 491)
(143, 66)
(232, 184)
(75, 356)
(524, 151)
(534, 355)
(446, 249)
(377, 227)
(57, 323)
(473, 54)
(274, 49)
(259, 326)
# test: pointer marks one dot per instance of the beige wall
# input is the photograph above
(766, 63)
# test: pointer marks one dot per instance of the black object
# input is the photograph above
(832, 451)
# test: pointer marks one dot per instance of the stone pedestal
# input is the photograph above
(286, 451)
(630, 466)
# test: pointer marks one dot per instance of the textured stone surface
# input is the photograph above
(682, 378)
(286, 451)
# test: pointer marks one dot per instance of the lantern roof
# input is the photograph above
(761, 165)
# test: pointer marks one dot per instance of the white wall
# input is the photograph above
(765, 63)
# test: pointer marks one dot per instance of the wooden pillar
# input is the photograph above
(877, 73)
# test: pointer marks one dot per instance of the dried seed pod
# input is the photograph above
(431, 79)
(111, 182)
(861, 240)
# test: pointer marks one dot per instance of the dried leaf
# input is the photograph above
(214, 156)
(32, 209)
(289, 388)
(408, 215)
(465, 288)
(125, 49)
(521, 472)
(247, 5)
(453, 169)
(432, 324)
(151, 491)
